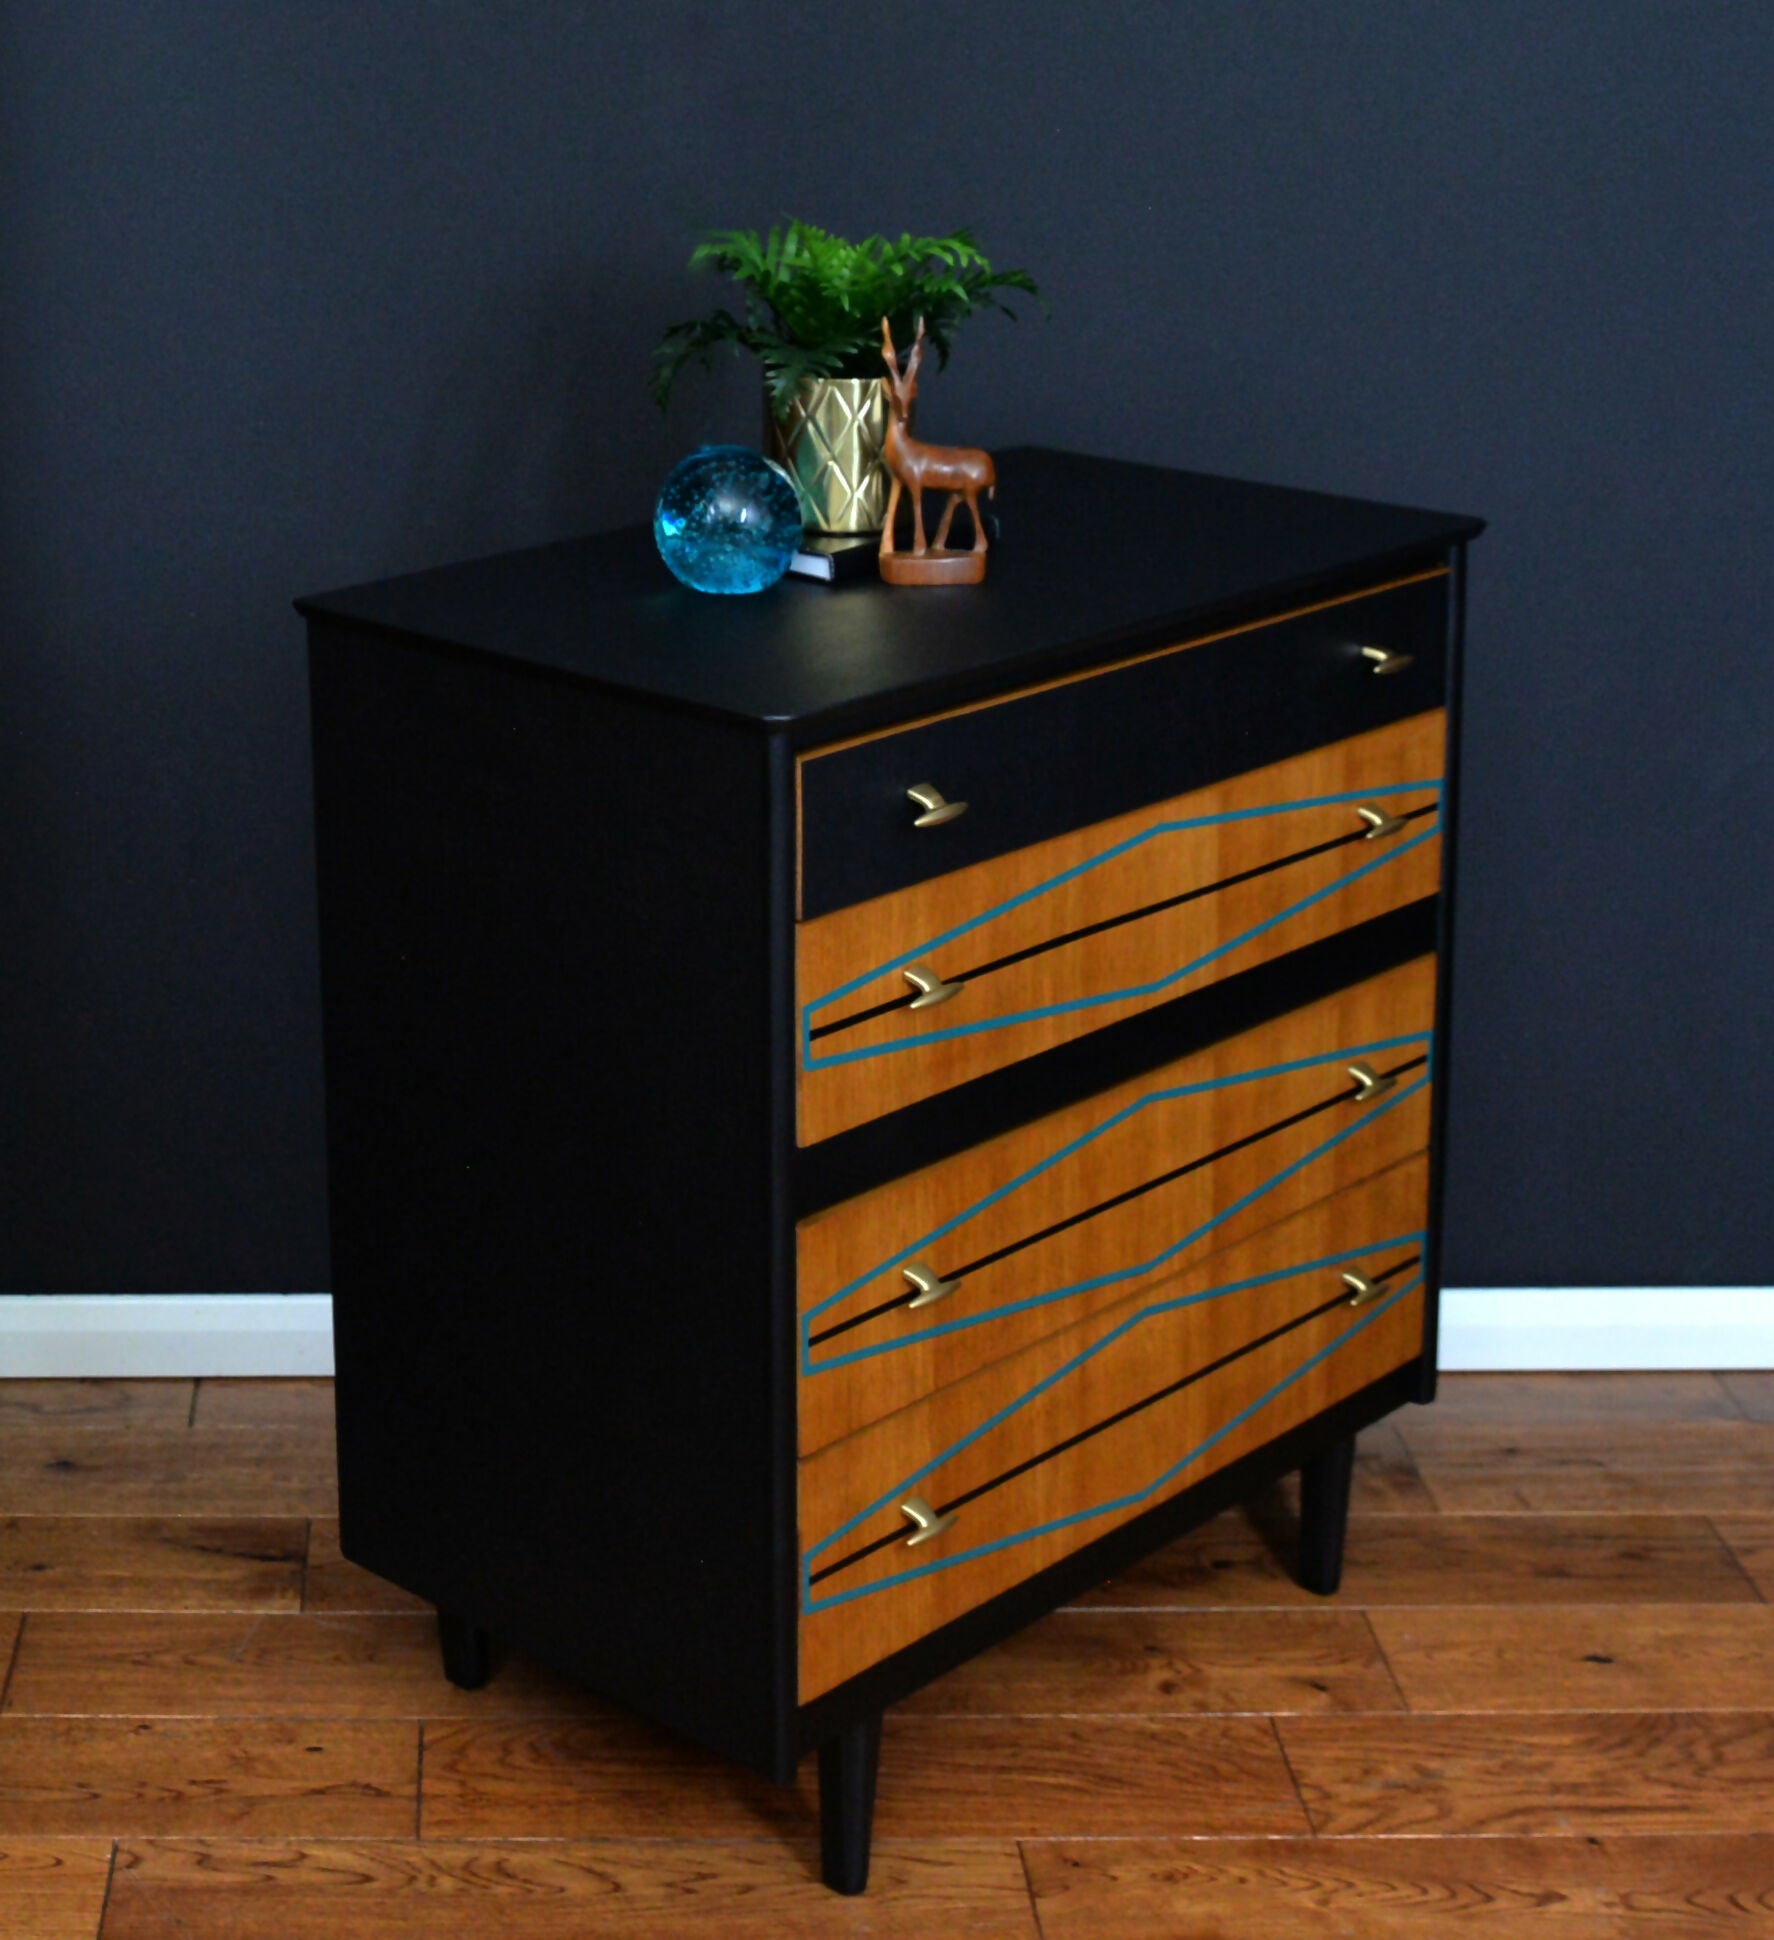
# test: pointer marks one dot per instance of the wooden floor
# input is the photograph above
(1543, 1704)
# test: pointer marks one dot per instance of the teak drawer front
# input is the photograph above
(1074, 1212)
(1041, 1453)
(1055, 941)
(1094, 745)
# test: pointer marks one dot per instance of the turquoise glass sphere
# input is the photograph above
(727, 520)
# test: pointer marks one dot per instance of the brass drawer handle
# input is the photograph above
(1361, 1289)
(1387, 660)
(1379, 823)
(929, 1524)
(936, 807)
(1370, 1083)
(930, 988)
(931, 1287)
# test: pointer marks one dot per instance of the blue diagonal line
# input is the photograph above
(811, 1603)
(811, 1366)
(1090, 1353)
(1108, 855)
(1002, 1021)
(1138, 1105)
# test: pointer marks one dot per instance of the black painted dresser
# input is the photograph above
(857, 1112)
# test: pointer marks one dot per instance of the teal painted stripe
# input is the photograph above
(811, 1603)
(1064, 1152)
(1069, 1367)
(810, 1062)
(1109, 855)
(811, 1366)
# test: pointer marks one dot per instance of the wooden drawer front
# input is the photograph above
(1075, 1212)
(1082, 749)
(1045, 1451)
(1062, 939)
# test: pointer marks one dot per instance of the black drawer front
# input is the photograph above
(1069, 755)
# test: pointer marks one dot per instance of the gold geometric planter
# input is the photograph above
(829, 440)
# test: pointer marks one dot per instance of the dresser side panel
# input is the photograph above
(546, 966)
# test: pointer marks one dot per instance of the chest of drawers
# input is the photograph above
(856, 1113)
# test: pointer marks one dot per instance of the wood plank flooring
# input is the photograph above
(1542, 1704)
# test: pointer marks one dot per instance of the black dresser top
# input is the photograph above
(1100, 557)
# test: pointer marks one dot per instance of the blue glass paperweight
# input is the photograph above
(727, 521)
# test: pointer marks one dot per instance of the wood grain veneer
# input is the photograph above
(11, 1628)
(740, 1889)
(151, 1562)
(1752, 1391)
(1657, 1657)
(1503, 1888)
(53, 1889)
(1561, 1400)
(1588, 1772)
(262, 1404)
(48, 1469)
(332, 1585)
(74, 1664)
(96, 1403)
(270, 1777)
(1708, 1467)
(969, 1777)
(986, 1777)
(1428, 1558)
(1751, 1539)
(1169, 1662)
(1284, 1139)
(1077, 1788)
(1022, 901)
(1031, 1402)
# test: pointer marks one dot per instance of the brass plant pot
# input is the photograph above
(829, 440)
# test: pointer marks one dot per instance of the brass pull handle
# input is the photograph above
(936, 807)
(1387, 660)
(930, 988)
(929, 1524)
(931, 1287)
(1370, 1083)
(1379, 823)
(1361, 1289)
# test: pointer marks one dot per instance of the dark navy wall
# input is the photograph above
(303, 294)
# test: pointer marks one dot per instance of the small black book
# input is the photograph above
(836, 557)
(842, 557)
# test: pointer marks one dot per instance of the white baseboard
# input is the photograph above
(142, 1335)
(96, 1335)
(1517, 1329)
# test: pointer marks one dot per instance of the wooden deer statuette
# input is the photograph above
(917, 468)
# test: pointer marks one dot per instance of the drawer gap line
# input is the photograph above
(855, 1017)
(1337, 1300)
(1109, 1205)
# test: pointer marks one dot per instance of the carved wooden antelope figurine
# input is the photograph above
(956, 469)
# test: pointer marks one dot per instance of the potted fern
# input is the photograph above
(813, 310)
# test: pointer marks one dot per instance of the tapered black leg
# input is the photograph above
(847, 1768)
(467, 1651)
(1324, 1516)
